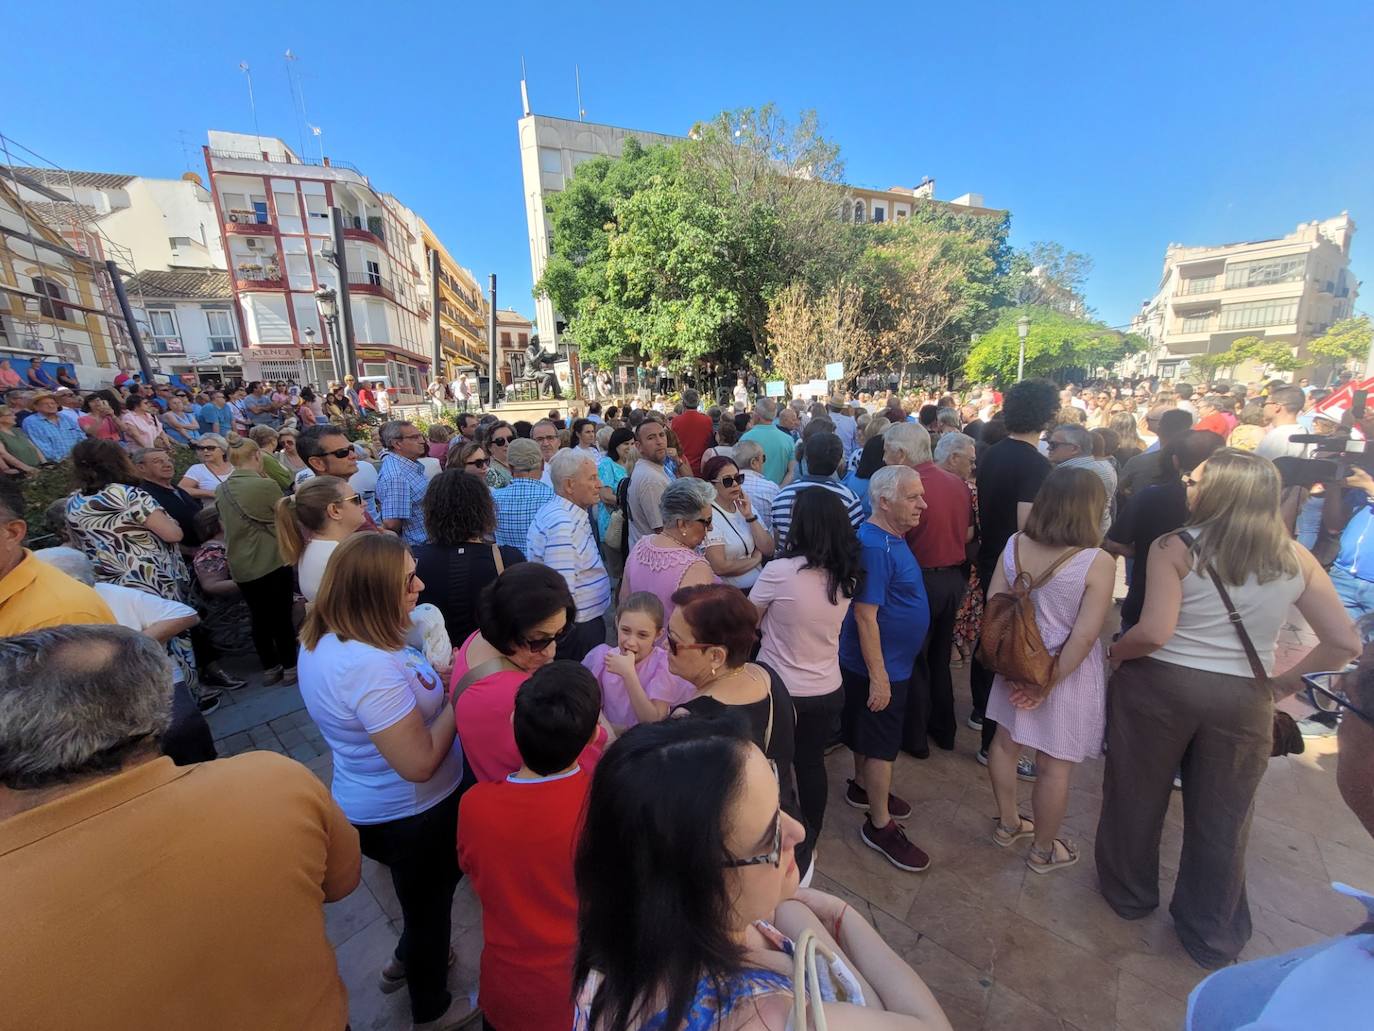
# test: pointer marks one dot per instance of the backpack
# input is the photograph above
(1010, 641)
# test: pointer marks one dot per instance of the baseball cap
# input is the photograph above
(524, 455)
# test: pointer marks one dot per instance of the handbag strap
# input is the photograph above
(477, 672)
(496, 557)
(1048, 574)
(1256, 666)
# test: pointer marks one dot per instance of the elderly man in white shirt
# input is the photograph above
(561, 537)
(761, 490)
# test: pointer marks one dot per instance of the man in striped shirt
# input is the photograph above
(823, 455)
(562, 538)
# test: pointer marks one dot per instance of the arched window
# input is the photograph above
(858, 212)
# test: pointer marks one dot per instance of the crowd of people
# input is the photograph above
(596, 665)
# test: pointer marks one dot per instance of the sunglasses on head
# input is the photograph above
(539, 644)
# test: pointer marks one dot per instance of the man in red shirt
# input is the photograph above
(694, 429)
(940, 544)
(516, 839)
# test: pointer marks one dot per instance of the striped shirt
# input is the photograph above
(561, 537)
(787, 498)
(517, 503)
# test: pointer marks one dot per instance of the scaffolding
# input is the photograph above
(85, 246)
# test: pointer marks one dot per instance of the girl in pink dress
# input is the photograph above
(1066, 726)
(636, 686)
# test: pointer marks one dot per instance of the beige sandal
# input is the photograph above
(1005, 838)
(1040, 862)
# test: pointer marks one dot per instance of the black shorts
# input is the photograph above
(875, 735)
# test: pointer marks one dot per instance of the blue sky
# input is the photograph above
(1111, 128)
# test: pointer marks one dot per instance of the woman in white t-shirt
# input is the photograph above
(311, 523)
(201, 479)
(397, 765)
(736, 542)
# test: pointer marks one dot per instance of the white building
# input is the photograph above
(186, 319)
(1290, 289)
(274, 209)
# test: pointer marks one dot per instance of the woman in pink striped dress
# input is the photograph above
(1066, 726)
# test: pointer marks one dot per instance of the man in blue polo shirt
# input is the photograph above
(881, 637)
(779, 448)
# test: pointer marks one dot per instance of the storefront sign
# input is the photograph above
(274, 354)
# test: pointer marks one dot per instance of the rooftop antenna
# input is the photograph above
(252, 104)
(581, 111)
(524, 90)
(182, 135)
(297, 97)
(318, 133)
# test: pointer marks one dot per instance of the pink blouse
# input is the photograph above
(659, 570)
(658, 683)
(801, 629)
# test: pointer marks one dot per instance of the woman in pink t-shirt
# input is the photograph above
(802, 597)
(521, 617)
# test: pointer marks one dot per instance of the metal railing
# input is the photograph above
(246, 217)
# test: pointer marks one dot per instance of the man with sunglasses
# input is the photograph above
(327, 452)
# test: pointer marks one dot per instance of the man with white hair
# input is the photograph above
(123, 866)
(749, 458)
(778, 445)
(879, 642)
(562, 538)
(1071, 447)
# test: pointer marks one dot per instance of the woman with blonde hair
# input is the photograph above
(247, 502)
(1193, 691)
(1072, 590)
(265, 437)
(328, 511)
(397, 767)
(203, 479)
(1129, 444)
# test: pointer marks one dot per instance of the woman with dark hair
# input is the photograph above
(802, 597)
(584, 437)
(736, 543)
(142, 427)
(496, 438)
(468, 457)
(613, 467)
(1073, 577)
(521, 617)
(101, 421)
(709, 646)
(870, 461)
(397, 767)
(459, 561)
(688, 902)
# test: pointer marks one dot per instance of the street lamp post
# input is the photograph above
(327, 300)
(1022, 330)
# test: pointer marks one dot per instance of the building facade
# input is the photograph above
(1290, 289)
(56, 304)
(274, 210)
(186, 319)
(513, 332)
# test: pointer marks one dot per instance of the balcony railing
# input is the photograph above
(259, 277)
(242, 220)
(361, 281)
(357, 227)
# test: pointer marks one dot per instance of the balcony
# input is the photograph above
(258, 277)
(371, 230)
(373, 283)
(241, 220)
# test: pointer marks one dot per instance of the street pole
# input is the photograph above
(436, 340)
(349, 347)
(1022, 329)
(491, 345)
(144, 365)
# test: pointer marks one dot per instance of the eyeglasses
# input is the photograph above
(674, 645)
(1326, 692)
(539, 644)
(410, 578)
(411, 436)
(1060, 443)
(501, 441)
(730, 481)
(354, 499)
(205, 447)
(545, 439)
(772, 857)
(480, 463)
(704, 522)
(341, 452)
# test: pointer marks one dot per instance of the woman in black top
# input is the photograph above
(459, 559)
(710, 635)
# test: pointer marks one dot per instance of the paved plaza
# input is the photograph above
(1000, 946)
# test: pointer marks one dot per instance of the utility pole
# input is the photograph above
(144, 365)
(491, 345)
(349, 348)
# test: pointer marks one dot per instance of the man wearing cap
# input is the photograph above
(53, 430)
(519, 501)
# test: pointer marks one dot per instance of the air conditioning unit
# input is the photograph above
(233, 360)
(253, 243)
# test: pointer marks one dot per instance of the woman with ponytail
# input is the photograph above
(311, 523)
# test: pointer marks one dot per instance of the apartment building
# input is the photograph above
(186, 319)
(897, 203)
(462, 310)
(1290, 289)
(56, 302)
(512, 336)
(274, 209)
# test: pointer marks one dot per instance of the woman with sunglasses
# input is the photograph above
(325, 511)
(397, 767)
(1185, 696)
(497, 439)
(662, 562)
(212, 469)
(521, 617)
(688, 902)
(468, 457)
(737, 542)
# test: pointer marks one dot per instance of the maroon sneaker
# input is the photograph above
(892, 842)
(897, 808)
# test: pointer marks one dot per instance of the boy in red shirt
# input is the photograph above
(516, 839)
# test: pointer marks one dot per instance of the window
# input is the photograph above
(550, 160)
(1199, 284)
(221, 326)
(166, 339)
(286, 205)
(505, 340)
(523, 340)
(260, 212)
(298, 272)
(374, 273)
(317, 210)
(878, 213)
(1266, 270)
(1196, 323)
(52, 293)
(1278, 312)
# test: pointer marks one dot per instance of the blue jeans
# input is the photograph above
(1356, 595)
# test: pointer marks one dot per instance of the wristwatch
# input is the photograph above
(751, 519)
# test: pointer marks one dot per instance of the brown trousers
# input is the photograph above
(1217, 729)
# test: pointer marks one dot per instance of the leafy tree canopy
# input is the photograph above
(1345, 343)
(1055, 343)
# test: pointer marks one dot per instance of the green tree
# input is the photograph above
(1272, 355)
(1055, 342)
(1346, 343)
(1048, 275)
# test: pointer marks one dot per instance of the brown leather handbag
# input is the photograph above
(1010, 641)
